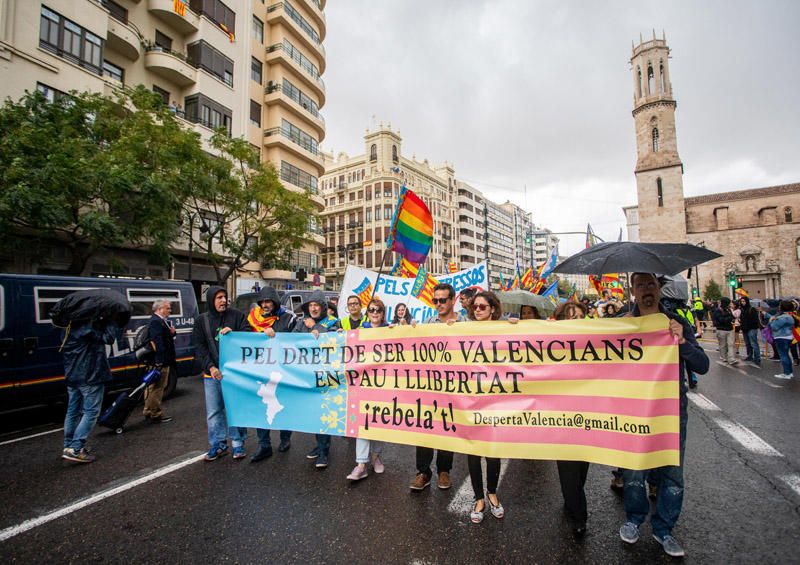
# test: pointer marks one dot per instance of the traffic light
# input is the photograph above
(732, 279)
(738, 282)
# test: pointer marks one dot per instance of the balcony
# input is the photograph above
(284, 13)
(276, 94)
(122, 39)
(277, 136)
(315, 8)
(164, 10)
(353, 225)
(327, 250)
(446, 237)
(170, 65)
(295, 61)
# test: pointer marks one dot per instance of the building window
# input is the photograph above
(787, 214)
(660, 193)
(256, 70)
(300, 137)
(255, 113)
(655, 140)
(395, 158)
(373, 153)
(113, 71)
(203, 56)
(298, 96)
(164, 41)
(258, 30)
(201, 109)
(639, 80)
(216, 11)
(70, 41)
(663, 78)
(298, 177)
(50, 93)
(164, 94)
(797, 248)
(368, 215)
(651, 87)
(387, 213)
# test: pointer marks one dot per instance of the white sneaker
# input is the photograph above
(782, 376)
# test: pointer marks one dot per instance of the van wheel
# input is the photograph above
(172, 384)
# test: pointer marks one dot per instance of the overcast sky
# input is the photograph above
(523, 92)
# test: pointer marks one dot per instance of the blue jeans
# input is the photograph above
(83, 408)
(218, 429)
(782, 346)
(669, 481)
(265, 441)
(364, 447)
(751, 339)
(323, 443)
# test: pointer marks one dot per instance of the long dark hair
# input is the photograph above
(493, 301)
(406, 317)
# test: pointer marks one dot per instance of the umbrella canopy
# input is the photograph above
(675, 287)
(514, 300)
(633, 257)
(90, 305)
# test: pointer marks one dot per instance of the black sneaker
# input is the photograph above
(313, 454)
(284, 446)
(322, 461)
(158, 420)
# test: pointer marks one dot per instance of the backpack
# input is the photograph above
(142, 347)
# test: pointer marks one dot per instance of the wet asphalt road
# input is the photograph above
(739, 507)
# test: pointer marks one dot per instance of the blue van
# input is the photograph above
(31, 366)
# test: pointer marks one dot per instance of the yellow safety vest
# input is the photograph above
(347, 323)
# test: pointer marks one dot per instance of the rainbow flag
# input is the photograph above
(452, 267)
(412, 228)
(423, 286)
(364, 291)
(502, 282)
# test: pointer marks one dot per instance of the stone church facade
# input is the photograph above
(757, 230)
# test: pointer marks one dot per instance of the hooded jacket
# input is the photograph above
(85, 359)
(749, 317)
(722, 316)
(207, 346)
(322, 324)
(286, 320)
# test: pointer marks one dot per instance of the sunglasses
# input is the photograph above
(375, 310)
(481, 307)
(440, 300)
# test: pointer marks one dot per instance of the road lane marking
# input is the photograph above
(793, 481)
(747, 438)
(27, 525)
(701, 401)
(464, 497)
(30, 436)
(746, 374)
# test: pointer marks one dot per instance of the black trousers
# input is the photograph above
(572, 475)
(444, 460)
(476, 474)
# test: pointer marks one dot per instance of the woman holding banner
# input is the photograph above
(572, 474)
(376, 318)
(485, 306)
(402, 316)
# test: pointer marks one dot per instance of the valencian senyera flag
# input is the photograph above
(423, 286)
(604, 391)
(411, 233)
(404, 268)
(364, 292)
(452, 267)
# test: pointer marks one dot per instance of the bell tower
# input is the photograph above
(659, 171)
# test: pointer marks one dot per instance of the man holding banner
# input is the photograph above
(355, 319)
(443, 300)
(646, 291)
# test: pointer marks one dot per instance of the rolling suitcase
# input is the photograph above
(117, 414)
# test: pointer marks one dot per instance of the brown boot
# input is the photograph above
(421, 482)
(444, 480)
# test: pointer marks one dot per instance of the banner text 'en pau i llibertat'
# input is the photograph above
(604, 391)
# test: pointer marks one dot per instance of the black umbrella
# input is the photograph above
(91, 305)
(632, 257)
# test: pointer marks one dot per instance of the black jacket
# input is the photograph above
(690, 355)
(206, 347)
(722, 318)
(749, 317)
(85, 359)
(286, 319)
(163, 341)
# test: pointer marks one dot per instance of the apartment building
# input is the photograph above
(360, 194)
(250, 66)
(523, 234)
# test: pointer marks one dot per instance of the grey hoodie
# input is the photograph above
(322, 324)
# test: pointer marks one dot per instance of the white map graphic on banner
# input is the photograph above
(396, 290)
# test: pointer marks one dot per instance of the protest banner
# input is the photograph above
(604, 391)
(395, 290)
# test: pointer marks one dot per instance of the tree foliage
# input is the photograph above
(712, 290)
(93, 172)
(242, 211)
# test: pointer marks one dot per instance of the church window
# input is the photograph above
(663, 79)
(639, 73)
(787, 214)
(660, 192)
(651, 87)
(797, 248)
(373, 153)
(655, 140)
(395, 158)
